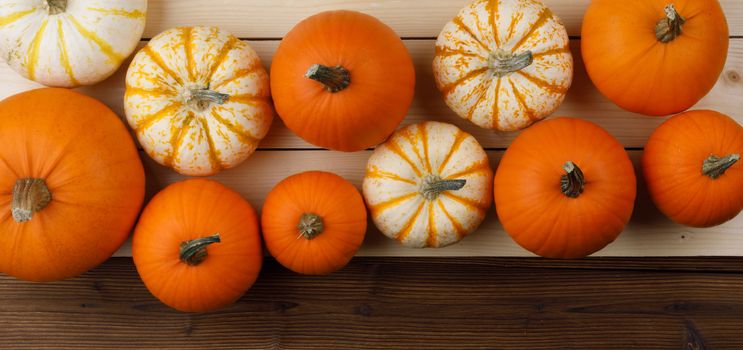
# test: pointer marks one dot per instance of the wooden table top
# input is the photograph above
(263, 23)
(647, 290)
(401, 303)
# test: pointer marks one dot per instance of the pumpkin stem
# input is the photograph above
(334, 78)
(669, 27)
(193, 252)
(572, 183)
(56, 6)
(310, 226)
(502, 62)
(29, 196)
(715, 166)
(202, 98)
(433, 186)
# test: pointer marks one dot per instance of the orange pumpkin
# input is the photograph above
(655, 57)
(71, 184)
(692, 168)
(342, 80)
(314, 222)
(197, 246)
(565, 188)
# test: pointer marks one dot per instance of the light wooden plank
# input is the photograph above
(583, 100)
(409, 18)
(648, 234)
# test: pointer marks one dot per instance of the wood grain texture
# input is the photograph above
(583, 100)
(388, 303)
(649, 233)
(409, 18)
(411, 302)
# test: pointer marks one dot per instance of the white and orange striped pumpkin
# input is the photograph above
(198, 99)
(503, 64)
(67, 43)
(429, 185)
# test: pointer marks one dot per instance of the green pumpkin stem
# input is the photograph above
(572, 182)
(334, 78)
(715, 166)
(433, 186)
(201, 99)
(193, 252)
(669, 27)
(29, 196)
(502, 62)
(310, 226)
(55, 7)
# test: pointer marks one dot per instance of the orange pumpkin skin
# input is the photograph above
(187, 211)
(673, 168)
(629, 64)
(301, 242)
(536, 211)
(91, 168)
(370, 107)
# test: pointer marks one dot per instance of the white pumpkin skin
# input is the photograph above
(399, 171)
(472, 69)
(177, 128)
(68, 43)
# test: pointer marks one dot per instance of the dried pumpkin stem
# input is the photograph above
(193, 252)
(56, 6)
(433, 186)
(334, 78)
(715, 166)
(310, 226)
(202, 98)
(572, 182)
(502, 62)
(669, 27)
(29, 196)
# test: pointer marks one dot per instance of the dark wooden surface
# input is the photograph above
(401, 303)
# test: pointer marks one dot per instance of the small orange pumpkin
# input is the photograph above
(71, 184)
(342, 80)
(693, 170)
(655, 57)
(565, 188)
(197, 246)
(314, 222)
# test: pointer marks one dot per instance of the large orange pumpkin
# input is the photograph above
(693, 170)
(342, 80)
(655, 57)
(71, 184)
(314, 222)
(197, 246)
(565, 188)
